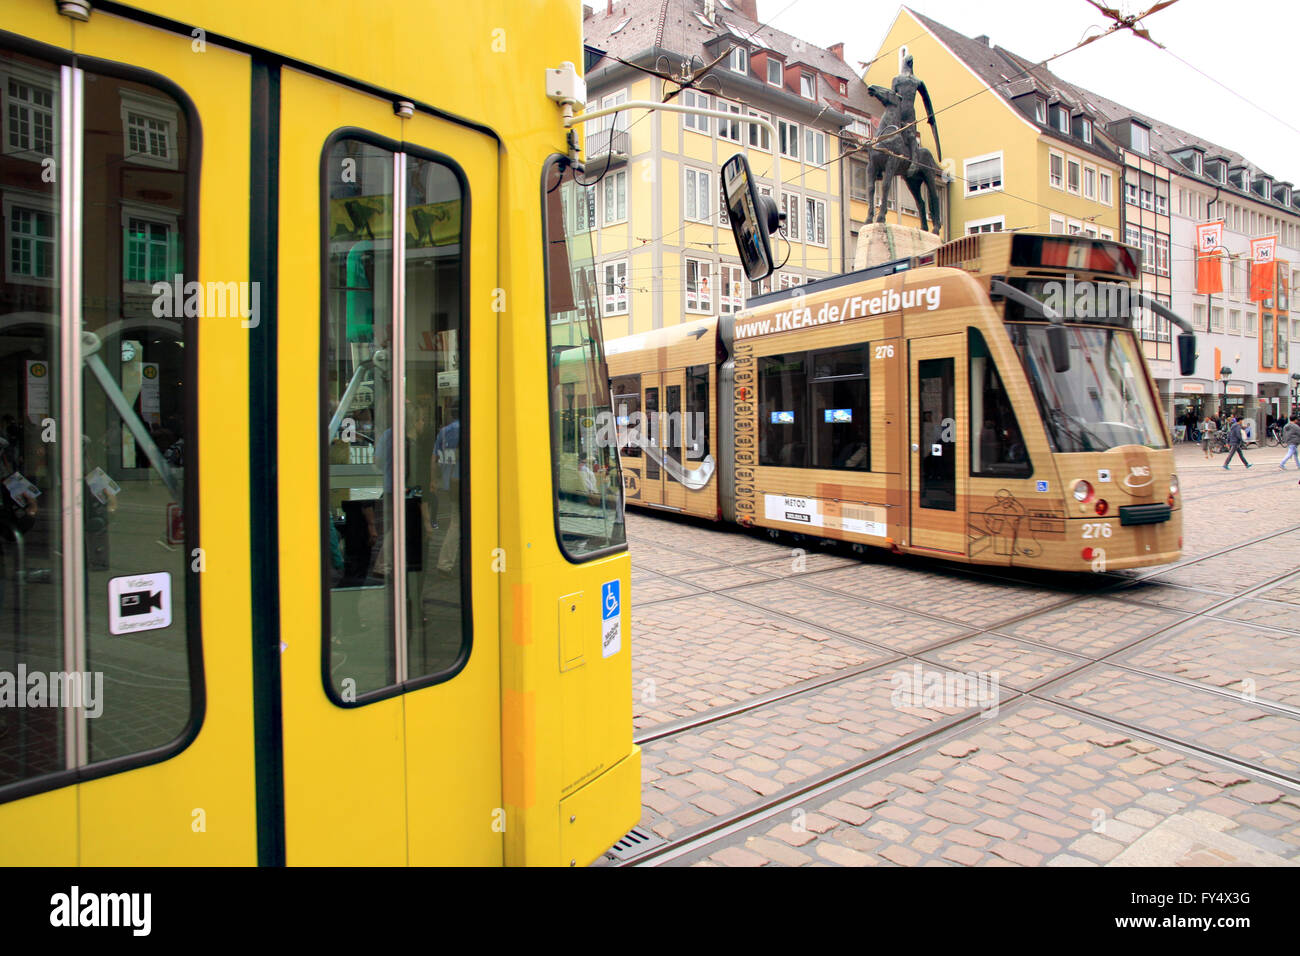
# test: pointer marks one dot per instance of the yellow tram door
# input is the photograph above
(390, 666)
(939, 466)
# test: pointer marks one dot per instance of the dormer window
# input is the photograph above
(1040, 110)
(807, 86)
(1085, 131)
(775, 72)
(1139, 139)
(739, 60)
(1217, 170)
(1190, 158)
(1061, 119)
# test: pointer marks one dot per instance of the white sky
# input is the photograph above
(1249, 46)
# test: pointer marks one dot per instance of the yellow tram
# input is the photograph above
(986, 402)
(248, 244)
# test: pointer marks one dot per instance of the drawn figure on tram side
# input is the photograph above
(1003, 521)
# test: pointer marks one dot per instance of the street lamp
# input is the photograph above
(1225, 373)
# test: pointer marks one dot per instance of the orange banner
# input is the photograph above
(1263, 268)
(1209, 269)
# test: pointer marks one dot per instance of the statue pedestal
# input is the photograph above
(883, 242)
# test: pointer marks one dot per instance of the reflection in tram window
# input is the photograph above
(369, 576)
(935, 401)
(697, 412)
(626, 390)
(818, 421)
(585, 470)
(997, 448)
(673, 433)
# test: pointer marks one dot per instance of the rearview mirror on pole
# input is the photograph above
(753, 218)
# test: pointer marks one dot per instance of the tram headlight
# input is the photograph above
(1082, 491)
(1173, 485)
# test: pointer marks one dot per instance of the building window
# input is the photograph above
(1139, 140)
(1085, 130)
(859, 188)
(759, 137)
(1072, 176)
(30, 112)
(1040, 110)
(1133, 236)
(729, 129)
(148, 252)
(815, 221)
(739, 60)
(699, 193)
(699, 296)
(615, 186)
(790, 206)
(731, 289)
(1234, 277)
(1216, 319)
(1061, 119)
(996, 224)
(1162, 255)
(789, 133)
(150, 126)
(1162, 204)
(1234, 321)
(814, 147)
(775, 72)
(613, 287)
(1089, 182)
(1131, 193)
(1074, 228)
(983, 174)
(1266, 336)
(31, 253)
(1250, 322)
(1104, 195)
(698, 123)
(1056, 170)
(1198, 317)
(1056, 225)
(1148, 251)
(807, 86)
(1107, 234)
(813, 409)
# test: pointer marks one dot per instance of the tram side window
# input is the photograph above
(997, 447)
(626, 390)
(814, 409)
(370, 651)
(126, 685)
(584, 460)
(697, 409)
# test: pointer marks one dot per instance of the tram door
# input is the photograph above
(939, 466)
(390, 668)
(663, 395)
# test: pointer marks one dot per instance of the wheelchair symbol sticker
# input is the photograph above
(611, 627)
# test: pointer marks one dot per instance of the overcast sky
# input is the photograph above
(1249, 46)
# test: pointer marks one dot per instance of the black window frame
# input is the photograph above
(808, 357)
(466, 421)
(192, 168)
(972, 335)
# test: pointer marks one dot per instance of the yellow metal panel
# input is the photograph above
(344, 780)
(147, 816)
(601, 807)
(40, 830)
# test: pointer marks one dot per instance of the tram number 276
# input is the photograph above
(884, 351)
(1096, 529)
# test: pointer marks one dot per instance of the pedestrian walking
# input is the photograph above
(1208, 428)
(1235, 440)
(1291, 438)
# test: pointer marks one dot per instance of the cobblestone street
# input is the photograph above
(824, 708)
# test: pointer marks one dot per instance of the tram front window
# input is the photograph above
(1102, 401)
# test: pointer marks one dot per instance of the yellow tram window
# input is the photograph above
(584, 459)
(97, 631)
(997, 448)
(395, 609)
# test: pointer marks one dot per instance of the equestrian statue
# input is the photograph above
(897, 149)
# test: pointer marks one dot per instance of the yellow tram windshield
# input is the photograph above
(1101, 401)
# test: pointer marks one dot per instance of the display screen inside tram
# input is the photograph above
(1101, 401)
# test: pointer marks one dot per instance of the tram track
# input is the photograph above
(720, 828)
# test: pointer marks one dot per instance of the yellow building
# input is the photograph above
(663, 247)
(1024, 151)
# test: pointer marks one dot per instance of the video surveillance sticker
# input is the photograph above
(139, 602)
